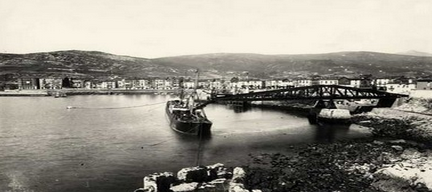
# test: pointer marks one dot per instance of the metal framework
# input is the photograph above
(314, 92)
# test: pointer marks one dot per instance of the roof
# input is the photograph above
(424, 80)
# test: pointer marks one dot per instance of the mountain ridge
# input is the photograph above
(94, 64)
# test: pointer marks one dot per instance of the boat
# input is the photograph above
(186, 117)
(59, 94)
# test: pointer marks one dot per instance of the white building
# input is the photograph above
(328, 82)
(302, 82)
(400, 88)
(189, 84)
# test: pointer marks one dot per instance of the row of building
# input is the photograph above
(395, 84)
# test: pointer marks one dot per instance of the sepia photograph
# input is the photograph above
(215, 96)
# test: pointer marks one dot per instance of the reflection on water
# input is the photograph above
(328, 132)
(46, 147)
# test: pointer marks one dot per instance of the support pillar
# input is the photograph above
(386, 102)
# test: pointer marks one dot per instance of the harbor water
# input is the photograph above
(110, 142)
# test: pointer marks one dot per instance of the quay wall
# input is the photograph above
(85, 92)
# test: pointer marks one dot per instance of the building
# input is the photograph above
(144, 84)
(328, 82)
(344, 81)
(77, 83)
(302, 82)
(158, 83)
(189, 84)
(87, 84)
(28, 83)
(361, 83)
(50, 83)
(424, 84)
(381, 82)
(400, 87)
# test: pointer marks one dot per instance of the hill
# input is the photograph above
(80, 63)
(416, 53)
(94, 64)
(341, 63)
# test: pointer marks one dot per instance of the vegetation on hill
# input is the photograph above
(94, 64)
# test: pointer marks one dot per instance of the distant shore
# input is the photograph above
(51, 92)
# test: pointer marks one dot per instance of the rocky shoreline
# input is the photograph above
(357, 165)
(397, 158)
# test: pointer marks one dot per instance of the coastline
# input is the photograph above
(51, 92)
(397, 157)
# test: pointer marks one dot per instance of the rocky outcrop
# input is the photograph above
(360, 165)
(397, 124)
(213, 178)
(411, 166)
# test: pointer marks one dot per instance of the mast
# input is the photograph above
(181, 84)
(195, 93)
(196, 80)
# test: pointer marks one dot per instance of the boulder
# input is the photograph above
(158, 182)
(206, 187)
(410, 153)
(397, 141)
(237, 187)
(185, 187)
(220, 184)
(397, 147)
(193, 174)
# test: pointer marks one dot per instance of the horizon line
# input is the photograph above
(210, 53)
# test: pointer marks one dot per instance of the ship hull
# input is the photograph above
(188, 127)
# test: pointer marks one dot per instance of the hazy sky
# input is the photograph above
(154, 28)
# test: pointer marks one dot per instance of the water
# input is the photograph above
(46, 147)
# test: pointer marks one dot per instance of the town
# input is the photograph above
(242, 84)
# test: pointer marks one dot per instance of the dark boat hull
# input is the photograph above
(191, 127)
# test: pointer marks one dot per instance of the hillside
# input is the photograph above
(380, 64)
(94, 64)
(80, 63)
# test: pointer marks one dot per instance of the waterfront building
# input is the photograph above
(203, 84)
(381, 82)
(328, 82)
(302, 82)
(50, 83)
(256, 84)
(424, 84)
(110, 84)
(286, 83)
(28, 83)
(121, 84)
(144, 84)
(344, 81)
(404, 88)
(77, 83)
(188, 84)
(87, 84)
(168, 84)
(361, 83)
(158, 83)
(128, 84)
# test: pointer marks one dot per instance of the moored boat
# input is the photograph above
(186, 120)
(185, 117)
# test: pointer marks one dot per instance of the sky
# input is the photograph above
(158, 28)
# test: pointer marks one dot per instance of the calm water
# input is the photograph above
(46, 147)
